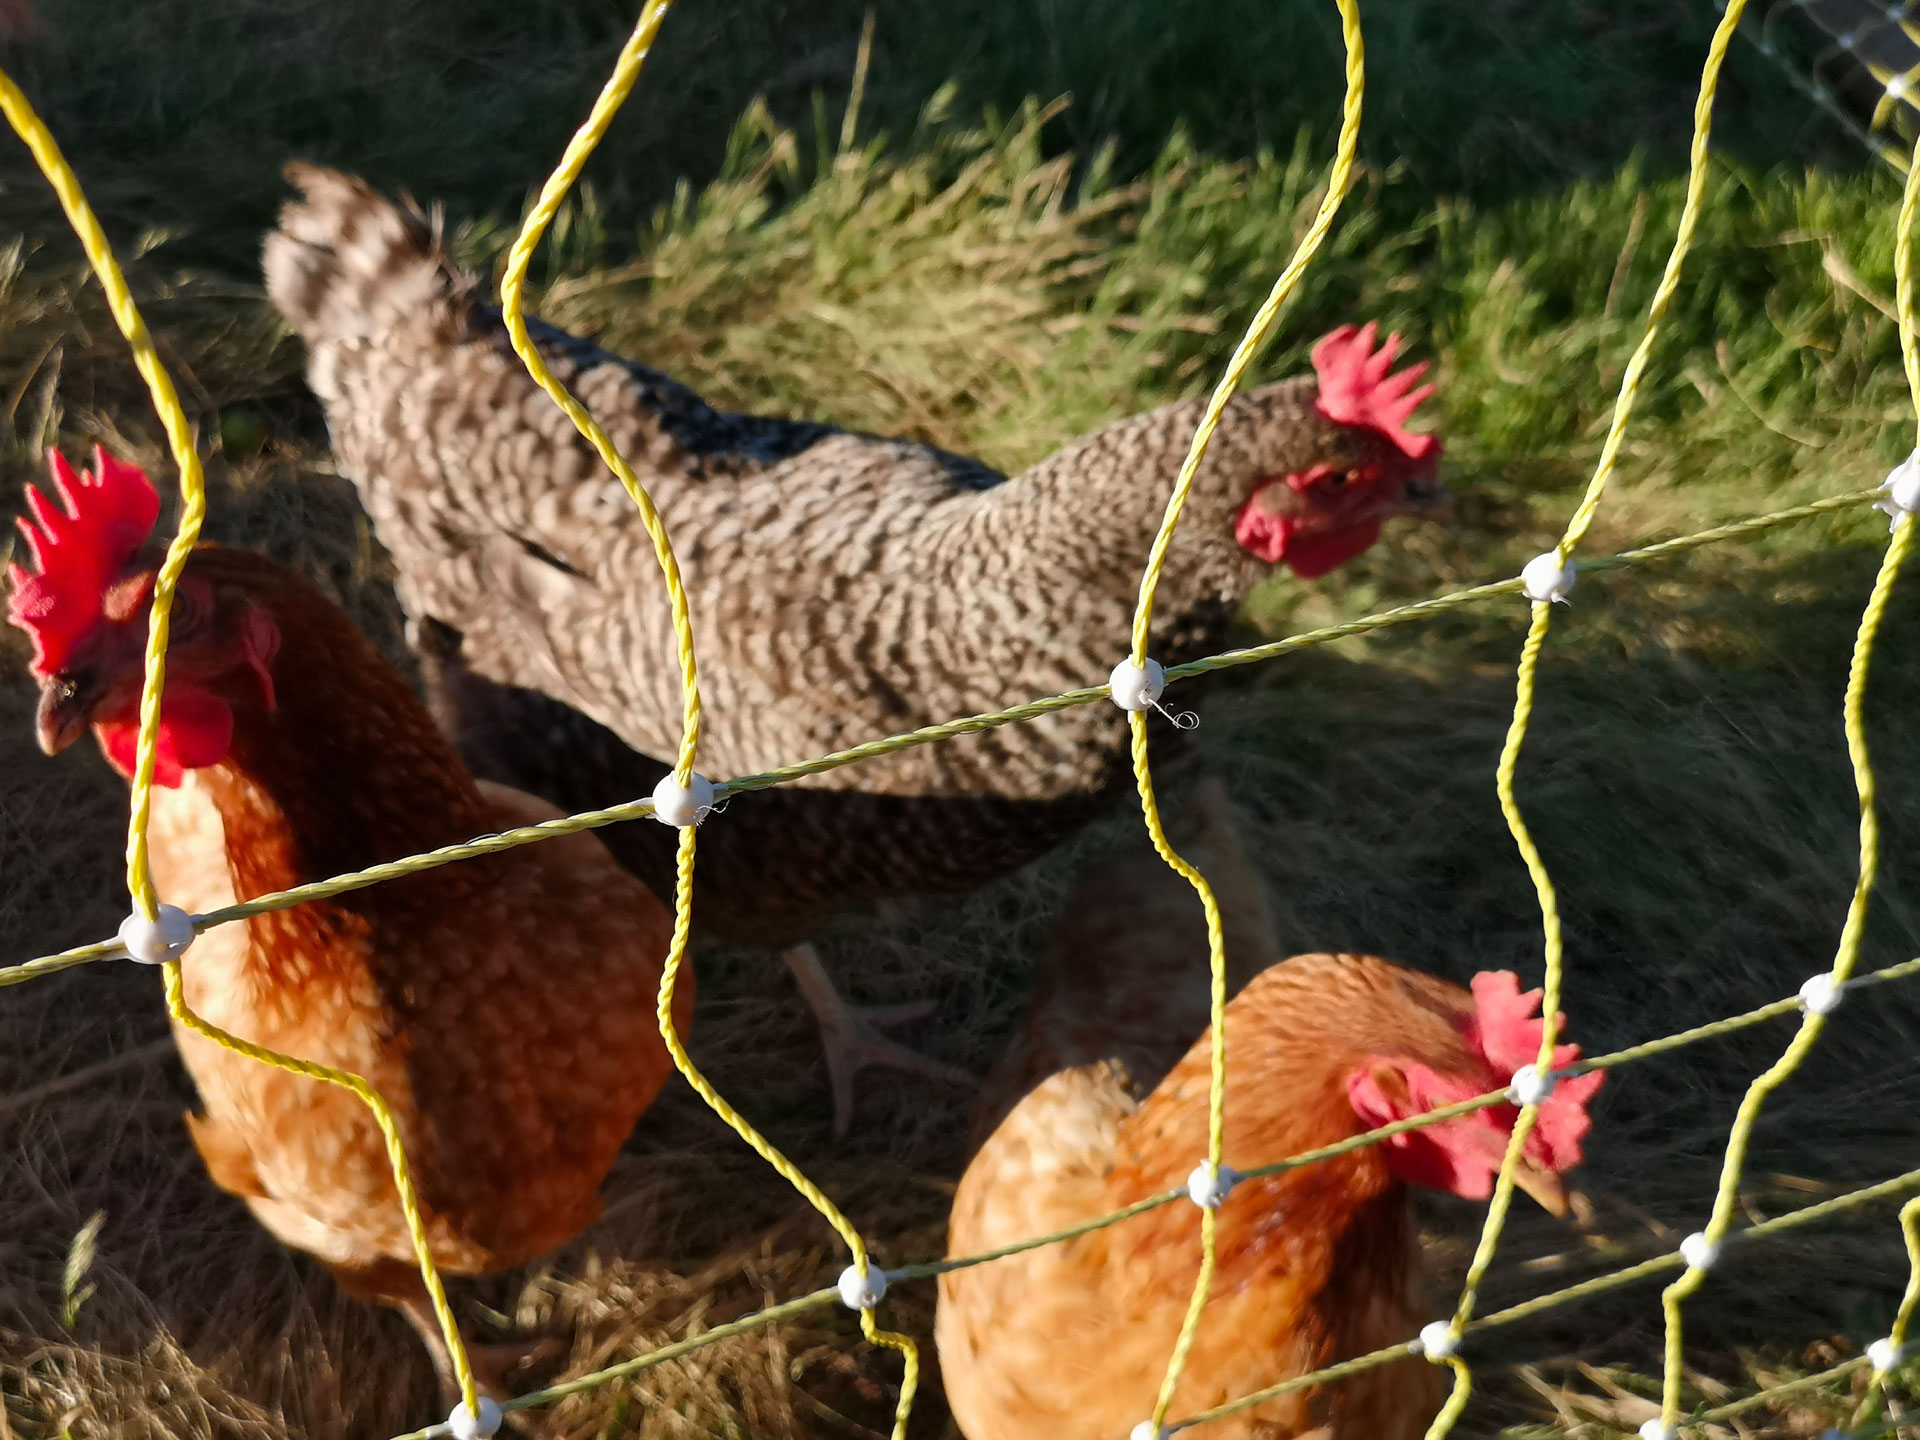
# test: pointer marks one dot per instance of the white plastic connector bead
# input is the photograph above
(1658, 1429)
(156, 941)
(1531, 1085)
(1821, 995)
(862, 1292)
(682, 805)
(1883, 1355)
(1439, 1340)
(1545, 579)
(1147, 1430)
(1698, 1251)
(1208, 1189)
(1135, 687)
(1897, 88)
(1903, 491)
(465, 1425)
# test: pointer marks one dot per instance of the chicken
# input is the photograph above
(504, 1007)
(1096, 1108)
(843, 586)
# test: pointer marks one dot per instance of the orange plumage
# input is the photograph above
(504, 1007)
(1102, 1103)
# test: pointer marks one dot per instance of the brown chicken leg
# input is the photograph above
(850, 1035)
(401, 1287)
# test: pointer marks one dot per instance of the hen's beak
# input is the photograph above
(1427, 496)
(1544, 1186)
(66, 708)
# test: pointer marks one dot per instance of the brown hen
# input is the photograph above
(504, 1007)
(1316, 1264)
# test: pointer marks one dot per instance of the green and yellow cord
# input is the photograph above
(1524, 685)
(512, 302)
(193, 508)
(1339, 181)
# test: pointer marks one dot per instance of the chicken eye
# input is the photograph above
(1340, 479)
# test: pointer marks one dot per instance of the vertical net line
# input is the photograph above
(1527, 671)
(27, 123)
(53, 164)
(586, 139)
(1339, 181)
(1848, 954)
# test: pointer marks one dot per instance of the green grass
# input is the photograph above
(990, 273)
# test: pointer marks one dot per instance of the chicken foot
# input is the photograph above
(850, 1035)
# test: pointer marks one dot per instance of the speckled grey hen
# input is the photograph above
(843, 586)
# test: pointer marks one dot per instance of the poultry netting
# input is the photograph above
(690, 798)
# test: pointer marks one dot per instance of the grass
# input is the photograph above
(997, 278)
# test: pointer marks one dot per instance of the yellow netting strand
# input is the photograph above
(1697, 168)
(612, 96)
(1524, 683)
(1910, 358)
(46, 153)
(33, 130)
(396, 1158)
(512, 309)
(1853, 709)
(1339, 180)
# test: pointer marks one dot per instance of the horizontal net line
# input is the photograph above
(1554, 1300)
(1512, 1314)
(1678, 1040)
(637, 809)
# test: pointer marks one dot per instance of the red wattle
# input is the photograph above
(196, 730)
(1310, 556)
(1262, 534)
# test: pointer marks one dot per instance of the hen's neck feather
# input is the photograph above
(347, 769)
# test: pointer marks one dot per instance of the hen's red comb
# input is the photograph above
(1508, 1031)
(1356, 388)
(78, 546)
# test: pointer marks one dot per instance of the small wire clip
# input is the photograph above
(1698, 1251)
(862, 1291)
(1437, 1341)
(1546, 578)
(1208, 1188)
(682, 805)
(1884, 1355)
(1136, 687)
(463, 1424)
(1822, 993)
(1531, 1085)
(156, 941)
(1903, 491)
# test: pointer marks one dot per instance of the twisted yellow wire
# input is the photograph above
(612, 96)
(1527, 671)
(166, 401)
(28, 125)
(1849, 950)
(1339, 180)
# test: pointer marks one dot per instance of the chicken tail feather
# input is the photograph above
(348, 264)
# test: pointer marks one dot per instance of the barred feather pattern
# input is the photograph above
(843, 586)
